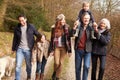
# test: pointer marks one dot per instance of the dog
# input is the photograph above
(7, 64)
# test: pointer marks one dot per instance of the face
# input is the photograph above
(62, 21)
(102, 25)
(86, 7)
(86, 19)
(22, 20)
(43, 38)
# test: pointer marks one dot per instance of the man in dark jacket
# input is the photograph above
(83, 47)
(23, 42)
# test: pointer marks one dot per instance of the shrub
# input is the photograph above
(33, 12)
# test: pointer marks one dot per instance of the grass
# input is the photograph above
(5, 43)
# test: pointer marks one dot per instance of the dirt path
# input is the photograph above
(112, 71)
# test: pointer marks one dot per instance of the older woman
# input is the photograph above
(99, 48)
(60, 44)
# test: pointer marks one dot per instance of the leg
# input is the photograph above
(43, 64)
(43, 68)
(102, 67)
(38, 70)
(78, 63)
(2, 73)
(56, 61)
(19, 60)
(94, 67)
(28, 57)
(62, 57)
(87, 58)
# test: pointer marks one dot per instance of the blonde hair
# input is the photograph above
(85, 3)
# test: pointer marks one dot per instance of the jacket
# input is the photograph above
(88, 44)
(65, 38)
(100, 44)
(31, 31)
(41, 49)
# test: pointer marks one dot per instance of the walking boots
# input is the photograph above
(41, 76)
(37, 76)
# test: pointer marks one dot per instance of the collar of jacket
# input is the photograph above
(19, 26)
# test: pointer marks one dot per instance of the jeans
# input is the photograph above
(79, 55)
(20, 55)
(101, 68)
(41, 66)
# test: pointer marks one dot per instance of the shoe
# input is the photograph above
(28, 77)
(37, 76)
(54, 76)
(57, 78)
(41, 76)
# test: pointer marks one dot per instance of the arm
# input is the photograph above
(51, 47)
(91, 17)
(104, 39)
(14, 41)
(36, 33)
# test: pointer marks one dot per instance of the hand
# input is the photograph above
(52, 53)
(69, 54)
(76, 24)
(12, 52)
(95, 26)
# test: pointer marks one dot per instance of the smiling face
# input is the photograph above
(22, 20)
(86, 19)
(102, 25)
(86, 6)
(62, 21)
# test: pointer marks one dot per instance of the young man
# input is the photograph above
(23, 42)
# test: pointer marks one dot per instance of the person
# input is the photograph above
(99, 50)
(83, 47)
(41, 51)
(23, 42)
(85, 8)
(59, 44)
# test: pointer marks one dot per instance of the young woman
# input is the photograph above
(99, 48)
(41, 48)
(60, 44)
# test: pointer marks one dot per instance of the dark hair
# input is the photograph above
(21, 15)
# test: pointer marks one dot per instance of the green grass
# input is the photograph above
(1, 2)
(5, 43)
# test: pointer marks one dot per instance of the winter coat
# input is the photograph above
(100, 44)
(42, 50)
(31, 32)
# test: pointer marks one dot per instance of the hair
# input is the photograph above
(85, 13)
(38, 39)
(84, 3)
(21, 15)
(60, 17)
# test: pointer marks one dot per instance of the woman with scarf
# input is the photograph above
(99, 50)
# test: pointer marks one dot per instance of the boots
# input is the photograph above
(54, 76)
(37, 76)
(28, 77)
(41, 76)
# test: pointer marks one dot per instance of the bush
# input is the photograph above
(1, 2)
(33, 12)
